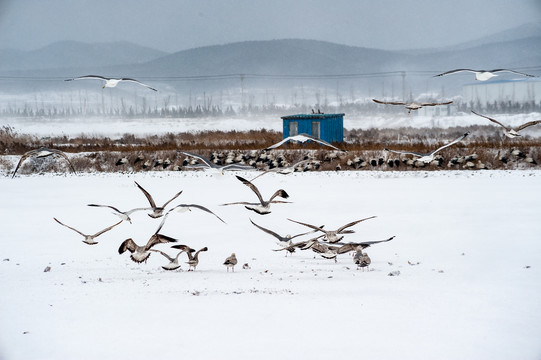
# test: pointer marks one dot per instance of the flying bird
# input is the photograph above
(230, 262)
(124, 215)
(188, 207)
(109, 82)
(411, 105)
(359, 246)
(193, 259)
(302, 138)
(88, 239)
(303, 245)
(428, 157)
(210, 165)
(325, 251)
(141, 253)
(483, 75)
(173, 261)
(283, 240)
(508, 131)
(287, 169)
(263, 207)
(157, 211)
(41, 153)
(332, 236)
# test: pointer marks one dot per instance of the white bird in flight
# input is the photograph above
(88, 238)
(109, 82)
(302, 138)
(41, 153)
(426, 158)
(262, 207)
(157, 211)
(483, 75)
(508, 131)
(207, 164)
(411, 105)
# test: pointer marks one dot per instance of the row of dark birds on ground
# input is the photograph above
(328, 243)
(243, 163)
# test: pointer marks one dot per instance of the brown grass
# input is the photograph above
(94, 154)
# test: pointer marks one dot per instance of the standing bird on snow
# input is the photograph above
(483, 75)
(230, 262)
(109, 82)
(362, 260)
(508, 131)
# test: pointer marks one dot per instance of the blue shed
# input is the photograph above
(328, 127)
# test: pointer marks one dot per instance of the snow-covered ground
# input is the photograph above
(473, 291)
(115, 127)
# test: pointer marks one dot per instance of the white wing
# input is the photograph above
(97, 77)
(138, 82)
(451, 143)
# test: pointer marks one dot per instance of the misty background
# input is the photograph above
(246, 54)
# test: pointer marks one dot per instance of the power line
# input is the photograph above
(211, 77)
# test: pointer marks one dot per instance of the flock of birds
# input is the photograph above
(140, 253)
(327, 243)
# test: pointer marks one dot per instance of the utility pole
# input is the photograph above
(403, 85)
(242, 91)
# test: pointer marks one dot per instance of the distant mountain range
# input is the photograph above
(518, 48)
(74, 54)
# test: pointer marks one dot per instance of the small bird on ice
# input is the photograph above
(483, 75)
(362, 260)
(109, 82)
(230, 262)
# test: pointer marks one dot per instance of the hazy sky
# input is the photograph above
(173, 25)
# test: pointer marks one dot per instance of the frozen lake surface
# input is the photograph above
(467, 248)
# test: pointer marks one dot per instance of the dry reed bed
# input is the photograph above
(364, 147)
